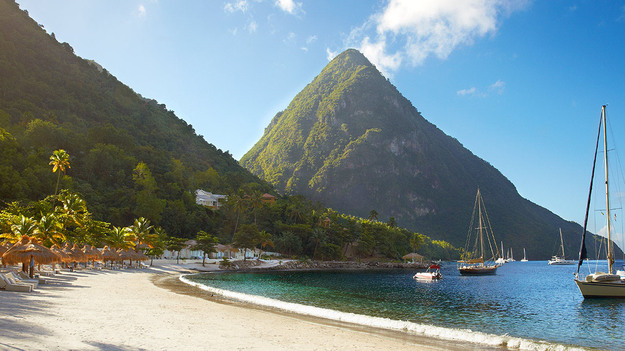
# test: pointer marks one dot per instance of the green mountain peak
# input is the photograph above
(350, 140)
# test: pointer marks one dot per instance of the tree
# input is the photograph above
(205, 243)
(49, 230)
(157, 249)
(416, 240)
(174, 244)
(59, 162)
(118, 238)
(247, 237)
(256, 202)
(20, 225)
(391, 222)
(238, 206)
(140, 232)
(373, 215)
(264, 241)
(147, 203)
(319, 235)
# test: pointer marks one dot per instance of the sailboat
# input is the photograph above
(476, 261)
(560, 260)
(524, 256)
(501, 260)
(600, 284)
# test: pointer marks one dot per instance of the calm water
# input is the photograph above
(528, 300)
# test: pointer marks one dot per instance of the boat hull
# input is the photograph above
(483, 270)
(562, 263)
(428, 276)
(606, 289)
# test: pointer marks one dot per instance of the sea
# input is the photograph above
(526, 305)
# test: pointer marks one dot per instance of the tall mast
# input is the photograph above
(607, 196)
(480, 214)
(562, 243)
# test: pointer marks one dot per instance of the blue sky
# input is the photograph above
(519, 83)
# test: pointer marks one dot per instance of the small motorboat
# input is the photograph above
(432, 273)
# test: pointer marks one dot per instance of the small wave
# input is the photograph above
(447, 334)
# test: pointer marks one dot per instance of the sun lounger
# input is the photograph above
(22, 275)
(18, 279)
(8, 285)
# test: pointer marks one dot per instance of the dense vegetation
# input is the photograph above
(350, 140)
(128, 159)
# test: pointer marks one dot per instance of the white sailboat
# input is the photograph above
(524, 256)
(501, 260)
(560, 260)
(600, 284)
(477, 261)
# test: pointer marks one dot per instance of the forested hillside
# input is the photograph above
(130, 164)
(52, 99)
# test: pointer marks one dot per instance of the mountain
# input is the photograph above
(130, 156)
(350, 140)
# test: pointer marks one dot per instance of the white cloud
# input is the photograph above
(470, 91)
(331, 54)
(142, 11)
(413, 30)
(498, 87)
(311, 39)
(233, 6)
(252, 27)
(289, 6)
(375, 53)
(289, 37)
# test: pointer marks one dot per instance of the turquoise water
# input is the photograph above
(528, 300)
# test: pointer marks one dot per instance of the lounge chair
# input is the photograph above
(9, 285)
(22, 275)
(18, 279)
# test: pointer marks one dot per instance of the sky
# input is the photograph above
(520, 83)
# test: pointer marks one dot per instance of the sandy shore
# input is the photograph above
(150, 309)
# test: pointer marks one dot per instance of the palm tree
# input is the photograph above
(49, 230)
(59, 162)
(264, 241)
(140, 233)
(373, 215)
(20, 226)
(238, 205)
(256, 202)
(319, 235)
(118, 238)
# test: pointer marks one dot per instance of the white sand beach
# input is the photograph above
(150, 309)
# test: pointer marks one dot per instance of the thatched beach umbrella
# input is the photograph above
(126, 255)
(109, 255)
(77, 254)
(91, 253)
(20, 245)
(413, 256)
(32, 252)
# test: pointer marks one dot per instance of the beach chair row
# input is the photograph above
(18, 281)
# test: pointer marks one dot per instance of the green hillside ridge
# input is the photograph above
(51, 99)
(350, 140)
(129, 157)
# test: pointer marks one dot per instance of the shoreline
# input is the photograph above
(151, 309)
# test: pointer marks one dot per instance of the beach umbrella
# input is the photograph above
(413, 256)
(77, 254)
(64, 257)
(19, 245)
(32, 252)
(109, 255)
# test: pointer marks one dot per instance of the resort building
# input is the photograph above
(208, 199)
